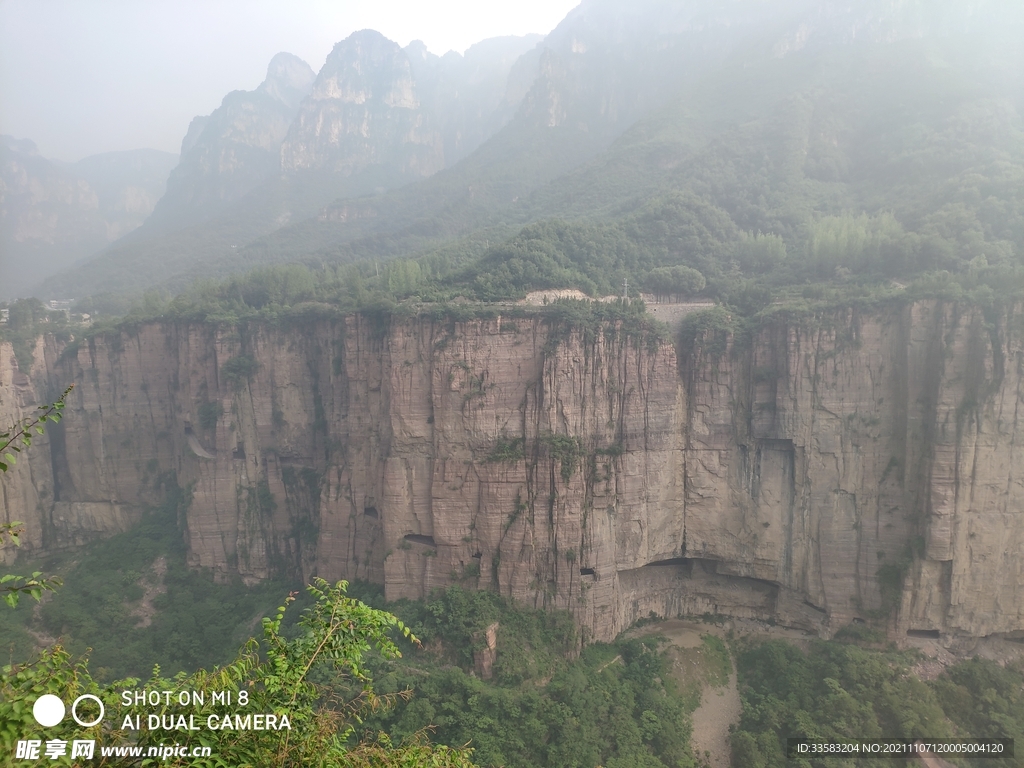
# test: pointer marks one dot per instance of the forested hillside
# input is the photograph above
(862, 162)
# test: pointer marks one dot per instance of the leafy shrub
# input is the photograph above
(209, 413)
(566, 450)
(508, 449)
(860, 632)
(708, 329)
(314, 675)
(238, 370)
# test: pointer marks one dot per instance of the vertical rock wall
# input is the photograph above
(851, 466)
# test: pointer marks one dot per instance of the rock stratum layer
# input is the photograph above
(860, 466)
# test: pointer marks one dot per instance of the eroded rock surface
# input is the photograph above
(859, 466)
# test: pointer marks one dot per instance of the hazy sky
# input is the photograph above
(80, 77)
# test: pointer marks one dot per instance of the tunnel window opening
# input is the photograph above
(371, 512)
(928, 634)
(587, 572)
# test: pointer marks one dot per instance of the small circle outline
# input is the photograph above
(74, 708)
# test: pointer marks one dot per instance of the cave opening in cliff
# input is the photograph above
(686, 564)
(587, 572)
(926, 634)
(416, 538)
(371, 512)
(669, 561)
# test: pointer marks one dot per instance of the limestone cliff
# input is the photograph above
(403, 111)
(857, 465)
(53, 213)
(228, 153)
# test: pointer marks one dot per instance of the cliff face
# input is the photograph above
(52, 213)
(228, 153)
(863, 465)
(404, 111)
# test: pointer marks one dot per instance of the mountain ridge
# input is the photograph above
(577, 124)
(53, 214)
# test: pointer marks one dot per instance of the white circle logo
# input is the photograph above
(74, 708)
(48, 710)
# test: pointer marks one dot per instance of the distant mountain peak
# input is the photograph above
(228, 153)
(289, 79)
(53, 213)
(25, 146)
(417, 49)
(366, 66)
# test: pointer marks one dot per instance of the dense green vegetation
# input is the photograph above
(614, 705)
(290, 677)
(28, 319)
(837, 691)
(135, 602)
(833, 691)
(984, 699)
